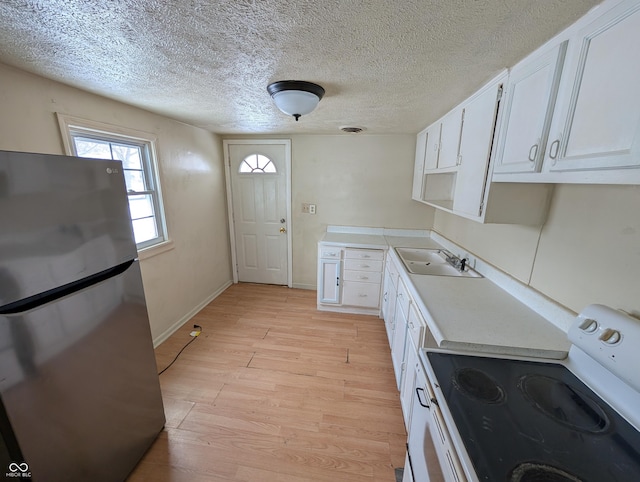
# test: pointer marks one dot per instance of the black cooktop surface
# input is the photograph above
(525, 421)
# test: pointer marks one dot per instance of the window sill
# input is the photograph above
(155, 250)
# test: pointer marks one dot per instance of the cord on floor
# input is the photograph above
(195, 334)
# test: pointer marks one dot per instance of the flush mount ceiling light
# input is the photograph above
(295, 97)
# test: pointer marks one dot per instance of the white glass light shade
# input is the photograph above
(294, 102)
(295, 97)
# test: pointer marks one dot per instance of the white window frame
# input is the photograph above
(71, 127)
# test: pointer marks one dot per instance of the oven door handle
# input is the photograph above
(420, 389)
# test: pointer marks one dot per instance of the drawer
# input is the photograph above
(365, 254)
(330, 252)
(366, 295)
(362, 276)
(363, 265)
(416, 327)
(402, 297)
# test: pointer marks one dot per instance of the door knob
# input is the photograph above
(283, 230)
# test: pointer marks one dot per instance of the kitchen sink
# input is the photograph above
(426, 261)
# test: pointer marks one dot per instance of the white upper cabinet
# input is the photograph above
(574, 116)
(450, 130)
(530, 96)
(418, 167)
(479, 116)
(596, 123)
(432, 149)
(459, 181)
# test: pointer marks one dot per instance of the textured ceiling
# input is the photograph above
(388, 66)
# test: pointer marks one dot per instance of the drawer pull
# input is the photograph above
(362, 295)
(363, 277)
(365, 266)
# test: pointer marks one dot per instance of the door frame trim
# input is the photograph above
(226, 143)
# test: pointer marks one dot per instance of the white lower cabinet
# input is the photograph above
(400, 333)
(329, 273)
(349, 279)
(389, 298)
(409, 382)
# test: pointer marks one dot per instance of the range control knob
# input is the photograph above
(589, 326)
(610, 337)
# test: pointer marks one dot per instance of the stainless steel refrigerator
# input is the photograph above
(79, 392)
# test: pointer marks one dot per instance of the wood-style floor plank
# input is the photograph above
(274, 390)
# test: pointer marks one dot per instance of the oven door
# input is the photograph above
(438, 441)
(427, 463)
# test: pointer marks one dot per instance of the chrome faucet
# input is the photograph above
(453, 260)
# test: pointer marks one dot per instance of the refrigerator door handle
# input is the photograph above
(40, 299)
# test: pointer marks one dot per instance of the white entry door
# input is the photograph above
(258, 182)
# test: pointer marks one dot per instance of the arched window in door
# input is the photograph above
(257, 163)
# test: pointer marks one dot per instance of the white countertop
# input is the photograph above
(468, 314)
(473, 314)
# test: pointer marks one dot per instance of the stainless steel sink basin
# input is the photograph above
(432, 262)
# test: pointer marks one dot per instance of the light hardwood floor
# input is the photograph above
(274, 390)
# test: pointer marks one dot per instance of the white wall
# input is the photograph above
(177, 281)
(354, 180)
(588, 251)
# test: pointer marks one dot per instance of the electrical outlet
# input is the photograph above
(305, 208)
(312, 208)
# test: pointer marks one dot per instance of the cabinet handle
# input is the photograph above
(533, 152)
(338, 281)
(553, 150)
(418, 390)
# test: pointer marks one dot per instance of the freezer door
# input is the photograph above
(79, 383)
(61, 219)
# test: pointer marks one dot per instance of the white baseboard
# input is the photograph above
(174, 327)
(304, 286)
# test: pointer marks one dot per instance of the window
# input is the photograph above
(89, 139)
(257, 163)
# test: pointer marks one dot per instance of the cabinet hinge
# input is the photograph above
(500, 91)
(481, 208)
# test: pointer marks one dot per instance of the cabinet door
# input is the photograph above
(388, 305)
(418, 167)
(398, 346)
(409, 383)
(530, 98)
(450, 139)
(329, 281)
(432, 147)
(475, 150)
(597, 121)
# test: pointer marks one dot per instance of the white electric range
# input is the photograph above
(517, 419)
